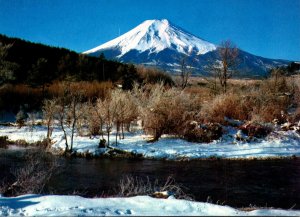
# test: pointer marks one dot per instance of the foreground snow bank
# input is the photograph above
(277, 144)
(38, 205)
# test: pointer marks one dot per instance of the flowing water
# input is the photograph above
(271, 183)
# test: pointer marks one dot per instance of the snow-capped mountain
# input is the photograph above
(161, 44)
(155, 36)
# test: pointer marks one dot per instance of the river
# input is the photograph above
(271, 183)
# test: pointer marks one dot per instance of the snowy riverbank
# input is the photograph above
(39, 205)
(276, 144)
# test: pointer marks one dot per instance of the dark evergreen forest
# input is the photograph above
(36, 64)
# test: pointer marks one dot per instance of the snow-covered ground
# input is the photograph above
(277, 144)
(51, 205)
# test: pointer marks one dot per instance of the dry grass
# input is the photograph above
(252, 100)
(132, 186)
(230, 105)
(199, 93)
(201, 81)
(91, 90)
(12, 96)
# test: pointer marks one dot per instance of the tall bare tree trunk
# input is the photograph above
(108, 138)
(122, 128)
(73, 124)
(65, 134)
(49, 131)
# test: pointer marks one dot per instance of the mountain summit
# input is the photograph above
(162, 44)
(155, 36)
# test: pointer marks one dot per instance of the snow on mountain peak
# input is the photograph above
(155, 36)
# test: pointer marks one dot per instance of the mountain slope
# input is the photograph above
(161, 44)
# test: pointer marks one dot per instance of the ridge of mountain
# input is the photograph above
(159, 43)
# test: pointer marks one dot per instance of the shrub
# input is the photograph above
(261, 102)
(296, 115)
(21, 117)
(45, 143)
(203, 133)
(230, 105)
(267, 107)
(4, 141)
(31, 178)
(96, 117)
(273, 97)
(164, 111)
(126, 110)
(21, 142)
(255, 130)
(94, 127)
(154, 76)
(102, 143)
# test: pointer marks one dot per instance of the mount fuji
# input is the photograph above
(161, 44)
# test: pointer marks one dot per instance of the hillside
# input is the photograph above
(36, 64)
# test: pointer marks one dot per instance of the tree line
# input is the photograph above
(38, 65)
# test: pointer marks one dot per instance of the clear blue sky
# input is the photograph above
(268, 28)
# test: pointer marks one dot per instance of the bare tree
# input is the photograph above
(61, 113)
(185, 72)
(108, 109)
(87, 120)
(228, 54)
(76, 106)
(212, 81)
(48, 113)
(126, 110)
(131, 112)
(98, 111)
(118, 103)
(69, 110)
